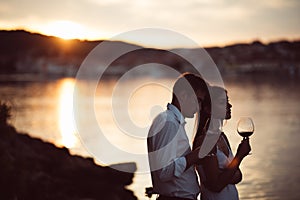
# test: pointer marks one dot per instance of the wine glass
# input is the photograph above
(245, 127)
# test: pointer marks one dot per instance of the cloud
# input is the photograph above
(226, 19)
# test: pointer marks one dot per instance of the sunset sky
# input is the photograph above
(207, 22)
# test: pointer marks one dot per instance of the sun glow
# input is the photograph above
(65, 30)
(66, 118)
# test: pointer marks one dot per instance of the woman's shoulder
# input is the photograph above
(225, 138)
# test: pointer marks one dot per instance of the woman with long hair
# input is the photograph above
(219, 170)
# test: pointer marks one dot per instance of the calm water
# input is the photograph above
(122, 112)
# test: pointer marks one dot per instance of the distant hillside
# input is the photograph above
(24, 52)
(275, 57)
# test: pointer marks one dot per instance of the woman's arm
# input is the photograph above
(237, 177)
(216, 181)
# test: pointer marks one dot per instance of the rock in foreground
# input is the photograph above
(33, 169)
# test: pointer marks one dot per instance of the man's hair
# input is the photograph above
(190, 83)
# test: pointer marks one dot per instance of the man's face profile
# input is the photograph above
(190, 103)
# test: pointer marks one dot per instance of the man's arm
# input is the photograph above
(192, 158)
(163, 158)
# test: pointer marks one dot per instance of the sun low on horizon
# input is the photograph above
(65, 29)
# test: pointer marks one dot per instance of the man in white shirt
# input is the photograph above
(170, 157)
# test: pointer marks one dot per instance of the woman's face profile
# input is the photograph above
(221, 107)
(228, 109)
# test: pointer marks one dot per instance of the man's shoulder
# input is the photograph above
(163, 120)
(165, 116)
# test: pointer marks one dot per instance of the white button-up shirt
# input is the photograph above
(167, 145)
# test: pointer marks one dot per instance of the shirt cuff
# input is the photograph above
(180, 165)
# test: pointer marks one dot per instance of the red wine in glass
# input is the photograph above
(245, 127)
(245, 134)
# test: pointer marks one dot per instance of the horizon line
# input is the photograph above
(248, 41)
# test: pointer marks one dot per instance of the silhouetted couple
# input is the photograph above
(173, 163)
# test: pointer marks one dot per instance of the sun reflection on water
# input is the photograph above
(66, 118)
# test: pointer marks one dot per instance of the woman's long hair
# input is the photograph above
(203, 118)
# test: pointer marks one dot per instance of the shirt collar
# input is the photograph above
(177, 113)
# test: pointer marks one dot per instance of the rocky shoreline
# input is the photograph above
(34, 169)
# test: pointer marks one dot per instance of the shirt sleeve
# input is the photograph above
(180, 164)
(165, 143)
